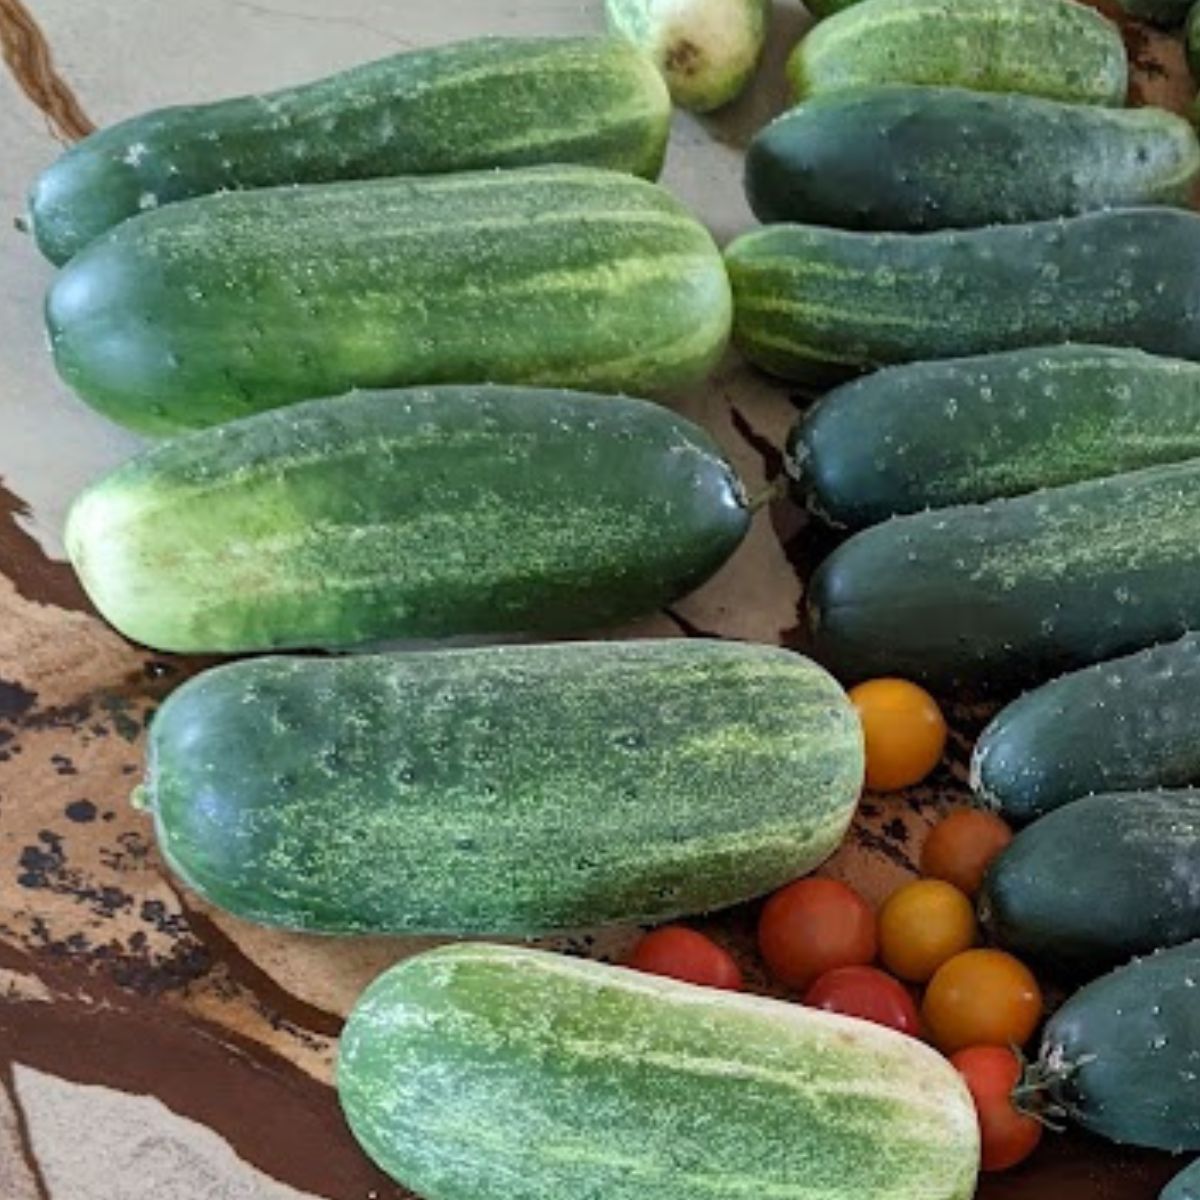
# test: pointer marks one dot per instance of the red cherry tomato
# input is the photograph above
(812, 926)
(1008, 1136)
(866, 993)
(687, 955)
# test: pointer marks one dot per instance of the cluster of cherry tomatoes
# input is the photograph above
(820, 939)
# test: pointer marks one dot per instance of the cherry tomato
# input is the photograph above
(866, 993)
(960, 848)
(1008, 1135)
(981, 998)
(904, 729)
(685, 954)
(922, 925)
(812, 926)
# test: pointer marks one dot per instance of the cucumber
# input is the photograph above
(815, 304)
(903, 157)
(424, 513)
(1052, 48)
(483, 1072)
(1191, 41)
(490, 102)
(1098, 881)
(1125, 725)
(826, 8)
(961, 431)
(1012, 592)
(1122, 1056)
(1169, 13)
(510, 790)
(225, 305)
(707, 50)
(1185, 1185)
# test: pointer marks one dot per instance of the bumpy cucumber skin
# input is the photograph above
(989, 596)
(502, 1073)
(1098, 881)
(491, 102)
(510, 790)
(912, 158)
(1185, 1185)
(707, 50)
(225, 305)
(816, 305)
(1123, 1054)
(968, 430)
(1125, 725)
(1053, 48)
(1169, 13)
(425, 513)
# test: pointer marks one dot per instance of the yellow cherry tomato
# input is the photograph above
(921, 926)
(904, 729)
(981, 998)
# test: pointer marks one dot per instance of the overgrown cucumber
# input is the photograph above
(1124, 725)
(1053, 48)
(817, 304)
(508, 790)
(914, 158)
(225, 305)
(422, 513)
(481, 1072)
(962, 431)
(1015, 591)
(1122, 1056)
(489, 102)
(1098, 881)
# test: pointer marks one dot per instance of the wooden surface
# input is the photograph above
(152, 1046)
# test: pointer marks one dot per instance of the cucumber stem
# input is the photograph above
(775, 490)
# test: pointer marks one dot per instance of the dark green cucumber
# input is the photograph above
(1169, 13)
(490, 102)
(1123, 725)
(814, 303)
(225, 305)
(919, 158)
(962, 431)
(1098, 881)
(507, 790)
(421, 513)
(1185, 1185)
(1015, 591)
(1122, 1056)
(1053, 48)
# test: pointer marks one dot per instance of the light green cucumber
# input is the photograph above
(502, 1073)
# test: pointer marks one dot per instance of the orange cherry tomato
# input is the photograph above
(812, 926)
(960, 848)
(1008, 1136)
(687, 955)
(981, 998)
(866, 993)
(922, 925)
(904, 729)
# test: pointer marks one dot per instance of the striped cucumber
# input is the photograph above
(1098, 881)
(225, 305)
(509, 790)
(1015, 591)
(1185, 1185)
(490, 102)
(1125, 725)
(817, 304)
(962, 431)
(707, 50)
(904, 157)
(483, 1072)
(423, 513)
(1053, 48)
(1122, 1056)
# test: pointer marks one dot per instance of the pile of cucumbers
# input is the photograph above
(394, 328)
